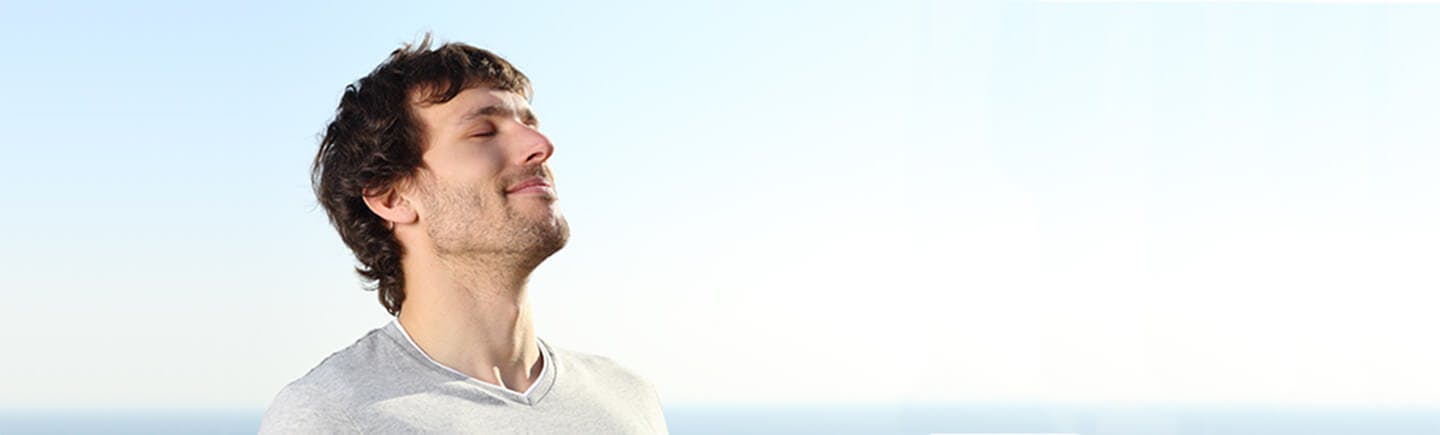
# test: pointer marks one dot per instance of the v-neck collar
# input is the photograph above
(531, 396)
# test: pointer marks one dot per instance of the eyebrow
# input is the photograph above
(526, 115)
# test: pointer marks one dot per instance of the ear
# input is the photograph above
(390, 205)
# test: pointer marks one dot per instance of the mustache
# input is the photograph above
(529, 172)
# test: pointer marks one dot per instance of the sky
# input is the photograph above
(797, 203)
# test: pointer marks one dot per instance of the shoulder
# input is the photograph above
(319, 401)
(344, 369)
(305, 408)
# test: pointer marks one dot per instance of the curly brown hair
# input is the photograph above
(375, 141)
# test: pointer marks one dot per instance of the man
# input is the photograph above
(434, 172)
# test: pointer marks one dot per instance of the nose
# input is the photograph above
(535, 148)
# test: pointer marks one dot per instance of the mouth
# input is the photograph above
(537, 185)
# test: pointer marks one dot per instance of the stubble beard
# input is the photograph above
(466, 225)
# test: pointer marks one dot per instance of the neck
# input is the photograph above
(474, 317)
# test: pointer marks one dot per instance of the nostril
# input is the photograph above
(541, 154)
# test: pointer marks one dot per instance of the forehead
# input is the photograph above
(470, 105)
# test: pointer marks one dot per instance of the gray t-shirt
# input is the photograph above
(385, 384)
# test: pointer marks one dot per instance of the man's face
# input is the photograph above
(480, 150)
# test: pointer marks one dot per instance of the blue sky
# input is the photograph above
(799, 203)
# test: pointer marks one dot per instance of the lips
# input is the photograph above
(533, 184)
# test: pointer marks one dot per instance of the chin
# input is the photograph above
(549, 235)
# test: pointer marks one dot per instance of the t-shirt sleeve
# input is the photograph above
(305, 409)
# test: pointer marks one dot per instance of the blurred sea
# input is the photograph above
(956, 419)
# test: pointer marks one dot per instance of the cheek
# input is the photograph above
(485, 162)
(477, 167)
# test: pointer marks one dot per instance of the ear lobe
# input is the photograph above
(390, 205)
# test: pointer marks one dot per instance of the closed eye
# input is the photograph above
(487, 132)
